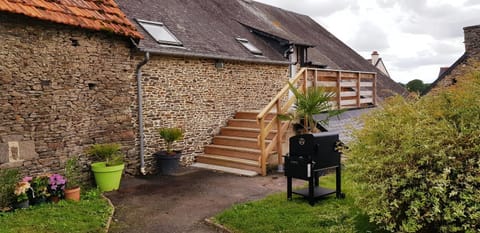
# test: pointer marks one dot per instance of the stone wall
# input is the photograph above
(194, 95)
(62, 89)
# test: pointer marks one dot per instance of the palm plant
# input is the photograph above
(110, 153)
(308, 104)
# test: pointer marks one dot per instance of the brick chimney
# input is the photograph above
(375, 57)
(472, 39)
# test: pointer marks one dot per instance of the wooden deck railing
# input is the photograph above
(351, 89)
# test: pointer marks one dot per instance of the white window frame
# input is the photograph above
(176, 41)
(249, 46)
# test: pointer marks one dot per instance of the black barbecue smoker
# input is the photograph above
(309, 156)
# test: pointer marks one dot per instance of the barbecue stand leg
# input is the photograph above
(338, 180)
(311, 188)
(289, 188)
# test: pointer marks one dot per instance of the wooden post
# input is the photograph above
(339, 89)
(358, 89)
(279, 134)
(305, 81)
(263, 159)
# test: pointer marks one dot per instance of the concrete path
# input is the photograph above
(179, 204)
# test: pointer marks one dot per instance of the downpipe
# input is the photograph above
(138, 74)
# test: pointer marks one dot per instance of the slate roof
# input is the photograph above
(208, 28)
(99, 15)
(445, 73)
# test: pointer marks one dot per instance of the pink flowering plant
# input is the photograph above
(56, 185)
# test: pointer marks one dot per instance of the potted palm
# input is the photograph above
(72, 172)
(168, 159)
(313, 102)
(108, 172)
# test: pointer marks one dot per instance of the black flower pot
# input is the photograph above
(167, 162)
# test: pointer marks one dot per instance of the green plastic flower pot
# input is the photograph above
(107, 178)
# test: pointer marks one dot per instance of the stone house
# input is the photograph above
(211, 59)
(65, 81)
(79, 72)
(467, 63)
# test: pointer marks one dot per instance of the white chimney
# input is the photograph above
(375, 57)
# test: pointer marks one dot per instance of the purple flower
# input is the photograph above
(27, 179)
(57, 185)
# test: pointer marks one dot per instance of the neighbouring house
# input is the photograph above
(468, 62)
(377, 61)
(75, 73)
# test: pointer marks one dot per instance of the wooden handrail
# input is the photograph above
(280, 94)
(348, 83)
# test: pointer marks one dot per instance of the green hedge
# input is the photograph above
(417, 162)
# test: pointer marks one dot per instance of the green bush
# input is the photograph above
(417, 163)
(170, 135)
(8, 179)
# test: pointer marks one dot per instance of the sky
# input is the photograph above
(413, 37)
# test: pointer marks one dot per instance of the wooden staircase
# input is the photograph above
(248, 140)
(236, 146)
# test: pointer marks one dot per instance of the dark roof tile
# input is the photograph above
(209, 27)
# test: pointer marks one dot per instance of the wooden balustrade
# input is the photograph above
(351, 89)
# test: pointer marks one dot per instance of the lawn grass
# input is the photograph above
(276, 214)
(88, 215)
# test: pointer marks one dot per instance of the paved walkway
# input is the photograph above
(179, 204)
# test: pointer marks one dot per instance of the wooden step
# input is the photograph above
(232, 151)
(252, 115)
(231, 170)
(237, 141)
(244, 132)
(226, 161)
(246, 123)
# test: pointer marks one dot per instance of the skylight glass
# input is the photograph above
(249, 46)
(159, 32)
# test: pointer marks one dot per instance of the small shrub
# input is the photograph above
(109, 153)
(8, 179)
(72, 172)
(417, 163)
(170, 135)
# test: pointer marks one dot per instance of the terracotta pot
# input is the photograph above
(72, 194)
(54, 199)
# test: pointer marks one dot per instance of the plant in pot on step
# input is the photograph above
(72, 172)
(108, 172)
(168, 159)
(307, 105)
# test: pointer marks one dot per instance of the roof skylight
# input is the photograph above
(159, 32)
(249, 46)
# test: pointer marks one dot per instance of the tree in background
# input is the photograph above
(417, 85)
